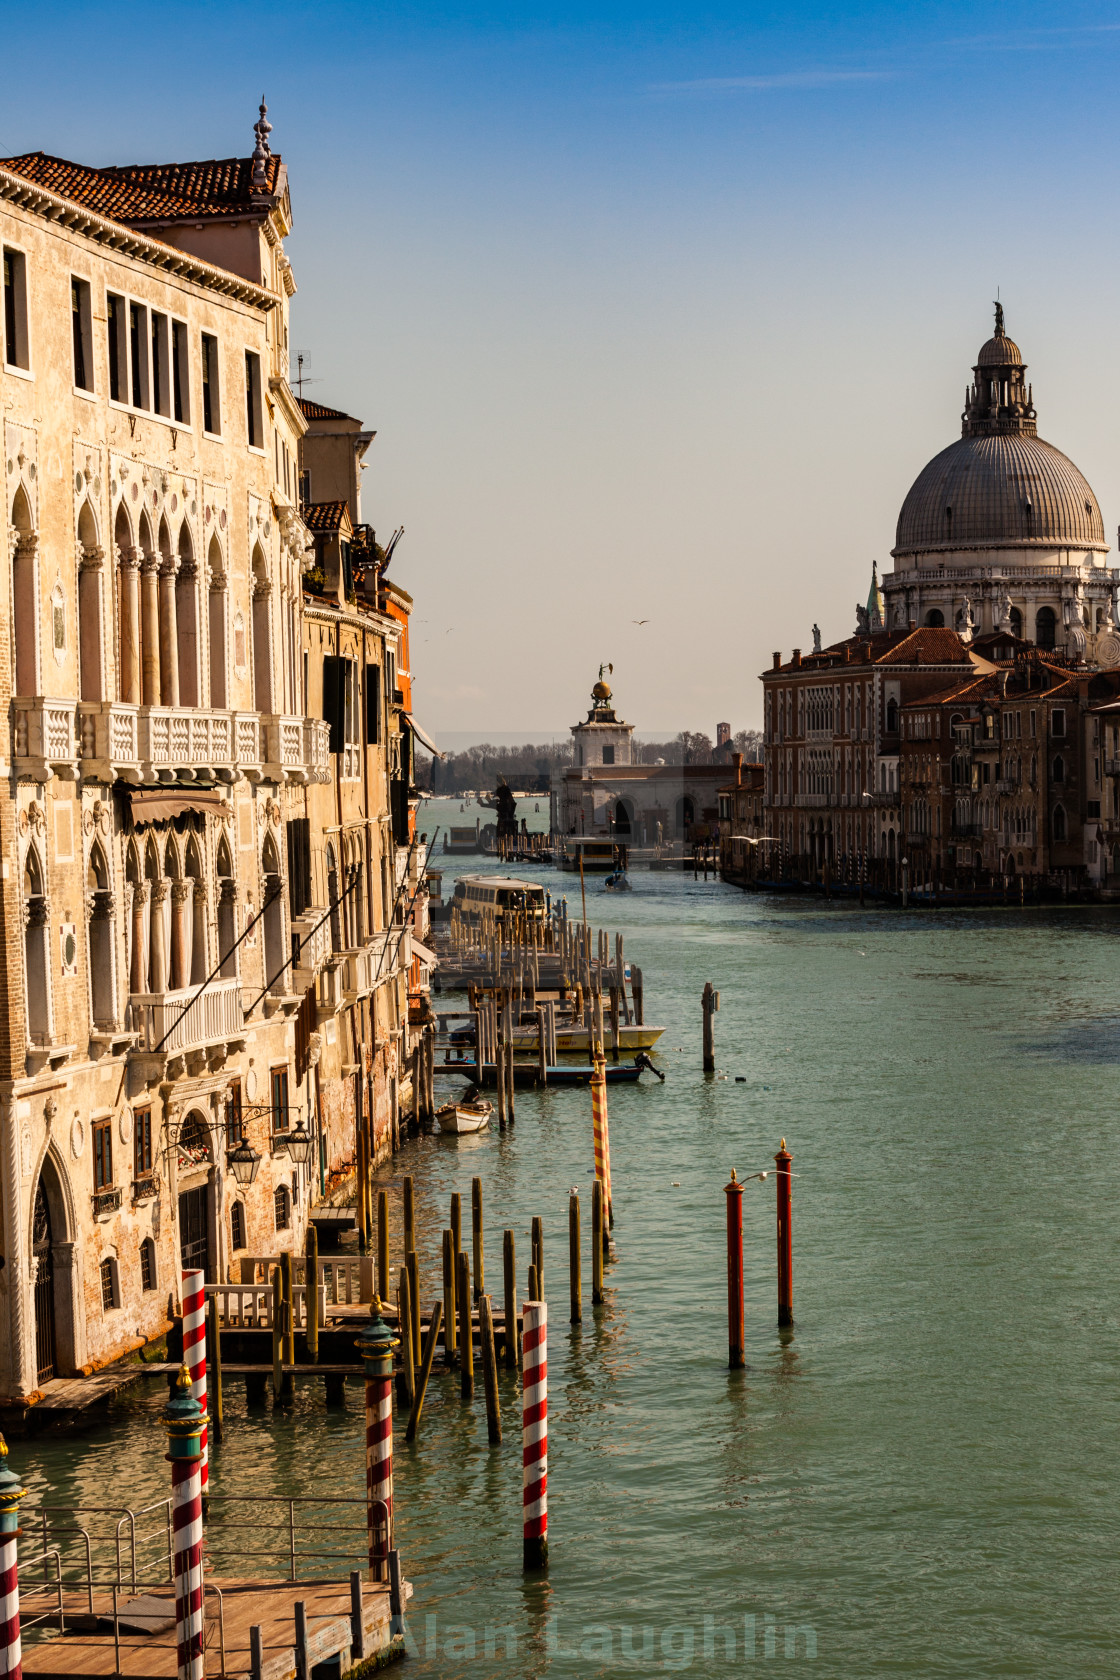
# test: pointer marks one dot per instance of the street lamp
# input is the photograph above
(244, 1163)
(299, 1145)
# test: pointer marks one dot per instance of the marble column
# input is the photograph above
(158, 976)
(181, 930)
(198, 964)
(149, 630)
(168, 635)
(138, 979)
(129, 676)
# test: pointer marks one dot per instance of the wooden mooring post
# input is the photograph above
(383, 1244)
(783, 1161)
(425, 1372)
(709, 1003)
(509, 1267)
(476, 1231)
(736, 1332)
(214, 1359)
(466, 1333)
(574, 1258)
(311, 1291)
(598, 1236)
(449, 1297)
(489, 1371)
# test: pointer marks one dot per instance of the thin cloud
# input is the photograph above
(758, 84)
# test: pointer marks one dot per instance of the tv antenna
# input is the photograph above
(301, 381)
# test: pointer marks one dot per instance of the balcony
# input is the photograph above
(171, 1025)
(311, 944)
(109, 740)
(143, 1189)
(1112, 766)
(1006, 784)
(105, 1202)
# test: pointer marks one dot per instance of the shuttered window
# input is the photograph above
(373, 705)
(299, 864)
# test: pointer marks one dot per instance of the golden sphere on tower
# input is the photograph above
(601, 691)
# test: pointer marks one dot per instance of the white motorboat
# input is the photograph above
(464, 1117)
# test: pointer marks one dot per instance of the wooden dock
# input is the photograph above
(142, 1645)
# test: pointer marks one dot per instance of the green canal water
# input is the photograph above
(921, 1479)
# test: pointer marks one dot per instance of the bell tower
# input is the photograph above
(602, 738)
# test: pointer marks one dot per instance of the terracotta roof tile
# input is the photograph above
(322, 518)
(319, 411)
(929, 645)
(151, 192)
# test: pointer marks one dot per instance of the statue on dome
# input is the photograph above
(1003, 613)
(966, 621)
(816, 638)
(999, 320)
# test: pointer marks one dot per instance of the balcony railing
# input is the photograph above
(311, 939)
(1112, 766)
(108, 739)
(105, 1201)
(163, 1021)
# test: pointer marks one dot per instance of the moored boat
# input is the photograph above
(462, 1118)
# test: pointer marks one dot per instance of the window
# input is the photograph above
(235, 1119)
(161, 367)
(118, 355)
(279, 1083)
(373, 705)
(299, 864)
(108, 1285)
(1059, 824)
(283, 1206)
(1057, 721)
(237, 1226)
(142, 1142)
(180, 381)
(1093, 808)
(1045, 627)
(83, 334)
(211, 392)
(1059, 774)
(1034, 724)
(305, 486)
(295, 1188)
(15, 309)
(147, 1264)
(891, 723)
(102, 1154)
(339, 707)
(608, 755)
(138, 353)
(254, 415)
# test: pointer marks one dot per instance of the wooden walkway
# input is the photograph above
(146, 1638)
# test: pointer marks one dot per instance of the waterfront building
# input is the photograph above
(742, 823)
(373, 1014)
(605, 793)
(173, 788)
(1000, 531)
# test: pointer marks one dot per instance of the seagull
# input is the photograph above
(641, 621)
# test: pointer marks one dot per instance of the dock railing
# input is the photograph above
(291, 1528)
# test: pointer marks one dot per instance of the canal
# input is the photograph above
(921, 1480)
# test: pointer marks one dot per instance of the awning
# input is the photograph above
(425, 955)
(159, 804)
(425, 740)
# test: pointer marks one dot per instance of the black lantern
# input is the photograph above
(244, 1163)
(299, 1142)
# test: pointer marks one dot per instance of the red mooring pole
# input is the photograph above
(736, 1333)
(783, 1161)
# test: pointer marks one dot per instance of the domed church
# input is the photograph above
(1001, 531)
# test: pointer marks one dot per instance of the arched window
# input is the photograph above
(1059, 824)
(1016, 622)
(25, 598)
(198, 966)
(186, 620)
(237, 1225)
(275, 972)
(219, 688)
(149, 615)
(147, 1264)
(227, 912)
(36, 951)
(100, 941)
(935, 618)
(282, 1203)
(262, 633)
(194, 1143)
(1059, 770)
(90, 654)
(333, 898)
(891, 724)
(110, 1286)
(1045, 625)
(128, 610)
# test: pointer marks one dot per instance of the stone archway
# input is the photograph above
(194, 1157)
(53, 1329)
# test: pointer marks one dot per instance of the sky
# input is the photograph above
(657, 310)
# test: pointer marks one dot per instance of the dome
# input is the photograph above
(1000, 351)
(1001, 490)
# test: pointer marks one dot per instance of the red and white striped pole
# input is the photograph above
(194, 1357)
(534, 1434)
(602, 1138)
(375, 1345)
(11, 1492)
(185, 1422)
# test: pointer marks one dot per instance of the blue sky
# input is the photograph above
(657, 310)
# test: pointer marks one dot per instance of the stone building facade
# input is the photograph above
(166, 992)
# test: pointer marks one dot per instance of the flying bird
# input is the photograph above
(641, 621)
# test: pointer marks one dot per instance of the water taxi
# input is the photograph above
(495, 897)
(600, 857)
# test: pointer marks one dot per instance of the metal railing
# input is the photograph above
(292, 1531)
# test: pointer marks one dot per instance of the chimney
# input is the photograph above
(796, 658)
(737, 761)
(777, 662)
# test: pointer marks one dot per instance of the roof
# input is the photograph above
(324, 518)
(1000, 351)
(319, 411)
(925, 645)
(154, 192)
(1002, 491)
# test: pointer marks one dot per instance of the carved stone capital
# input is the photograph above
(141, 892)
(180, 892)
(160, 890)
(129, 559)
(90, 559)
(168, 566)
(37, 912)
(149, 563)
